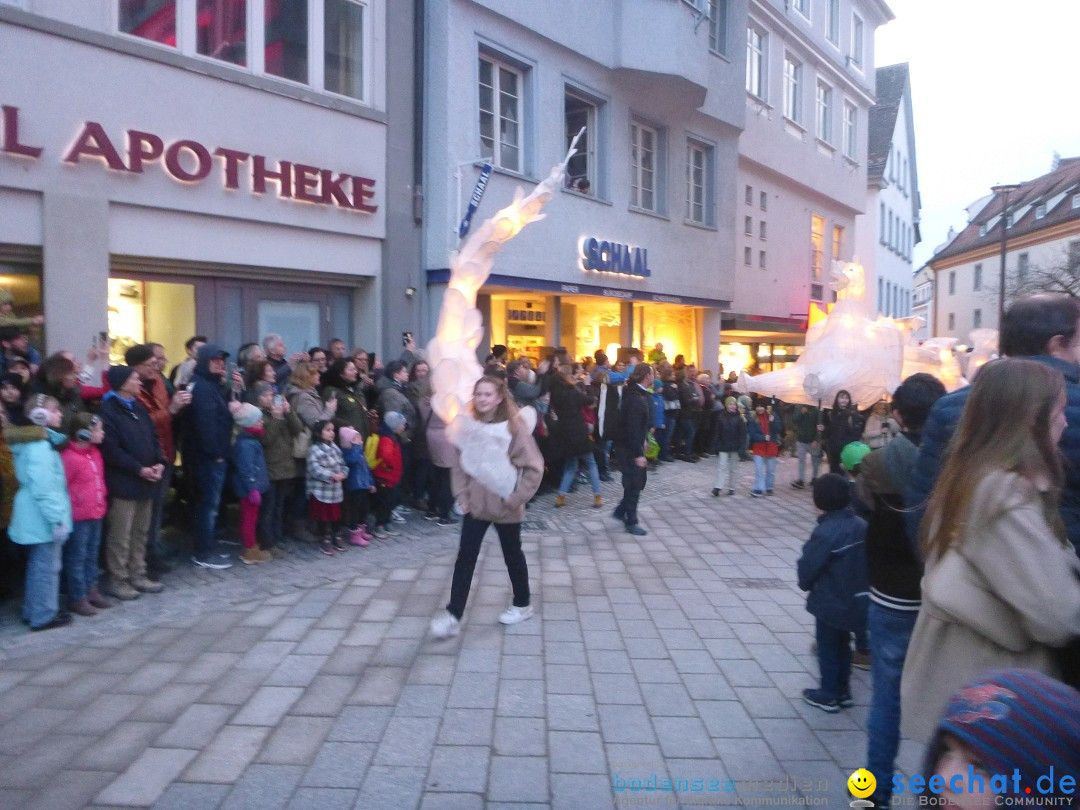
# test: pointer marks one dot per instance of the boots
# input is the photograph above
(560, 500)
(598, 501)
(83, 607)
(356, 537)
(97, 600)
(122, 590)
(367, 535)
(254, 555)
(144, 585)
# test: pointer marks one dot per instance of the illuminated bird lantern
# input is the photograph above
(847, 350)
(452, 352)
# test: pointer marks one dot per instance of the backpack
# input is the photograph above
(371, 451)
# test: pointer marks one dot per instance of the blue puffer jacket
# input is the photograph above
(360, 476)
(208, 423)
(658, 404)
(131, 443)
(42, 503)
(833, 568)
(249, 465)
(941, 425)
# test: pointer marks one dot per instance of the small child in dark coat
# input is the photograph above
(250, 479)
(833, 569)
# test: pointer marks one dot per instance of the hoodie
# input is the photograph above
(208, 424)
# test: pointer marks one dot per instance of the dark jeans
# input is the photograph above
(661, 434)
(81, 558)
(272, 513)
(684, 434)
(472, 535)
(442, 497)
(834, 659)
(421, 478)
(890, 633)
(154, 546)
(386, 498)
(355, 508)
(633, 481)
(210, 482)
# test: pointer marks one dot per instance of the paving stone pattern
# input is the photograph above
(312, 682)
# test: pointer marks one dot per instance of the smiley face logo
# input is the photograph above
(861, 783)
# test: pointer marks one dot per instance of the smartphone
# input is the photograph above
(405, 338)
(182, 387)
(278, 399)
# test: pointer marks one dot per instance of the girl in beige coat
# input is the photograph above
(1002, 584)
(492, 406)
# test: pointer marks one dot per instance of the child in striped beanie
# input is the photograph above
(1013, 732)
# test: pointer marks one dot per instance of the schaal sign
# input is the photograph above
(189, 161)
(613, 257)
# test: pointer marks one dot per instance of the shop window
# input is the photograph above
(670, 324)
(581, 172)
(344, 48)
(149, 312)
(221, 30)
(817, 245)
(501, 113)
(298, 322)
(154, 20)
(23, 283)
(589, 324)
(286, 52)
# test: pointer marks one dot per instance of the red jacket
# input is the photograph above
(388, 471)
(85, 473)
(156, 401)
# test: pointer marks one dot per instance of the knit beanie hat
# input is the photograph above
(853, 454)
(118, 375)
(395, 421)
(247, 415)
(347, 436)
(730, 401)
(831, 492)
(261, 388)
(1016, 719)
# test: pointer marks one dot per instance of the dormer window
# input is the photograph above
(982, 229)
(1040, 211)
(1076, 201)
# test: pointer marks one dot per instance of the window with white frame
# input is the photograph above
(1076, 201)
(501, 134)
(837, 241)
(832, 21)
(762, 230)
(857, 41)
(718, 26)
(977, 280)
(764, 201)
(756, 45)
(644, 142)
(881, 221)
(581, 171)
(792, 88)
(1040, 211)
(803, 7)
(749, 195)
(761, 259)
(851, 129)
(699, 191)
(748, 226)
(324, 45)
(748, 256)
(824, 111)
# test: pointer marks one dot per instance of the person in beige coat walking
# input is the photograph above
(1002, 584)
(492, 406)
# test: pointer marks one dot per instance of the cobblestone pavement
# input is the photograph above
(312, 682)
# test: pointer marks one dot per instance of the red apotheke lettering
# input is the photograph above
(189, 161)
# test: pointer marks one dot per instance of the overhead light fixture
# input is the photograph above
(410, 292)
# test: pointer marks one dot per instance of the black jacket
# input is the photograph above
(842, 427)
(130, 444)
(730, 432)
(895, 569)
(569, 437)
(635, 416)
(208, 425)
(833, 568)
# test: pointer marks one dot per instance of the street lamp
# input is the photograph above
(1003, 189)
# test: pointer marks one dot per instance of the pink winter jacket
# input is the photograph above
(85, 473)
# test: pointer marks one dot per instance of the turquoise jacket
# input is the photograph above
(42, 502)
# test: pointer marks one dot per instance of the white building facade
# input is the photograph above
(187, 169)
(808, 88)
(889, 230)
(1042, 252)
(635, 249)
(922, 302)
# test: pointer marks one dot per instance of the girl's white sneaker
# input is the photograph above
(445, 625)
(514, 614)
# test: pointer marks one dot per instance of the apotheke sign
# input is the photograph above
(189, 161)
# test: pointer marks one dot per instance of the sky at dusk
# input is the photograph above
(994, 95)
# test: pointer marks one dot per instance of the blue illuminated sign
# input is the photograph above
(612, 257)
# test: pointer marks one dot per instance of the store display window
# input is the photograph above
(149, 312)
